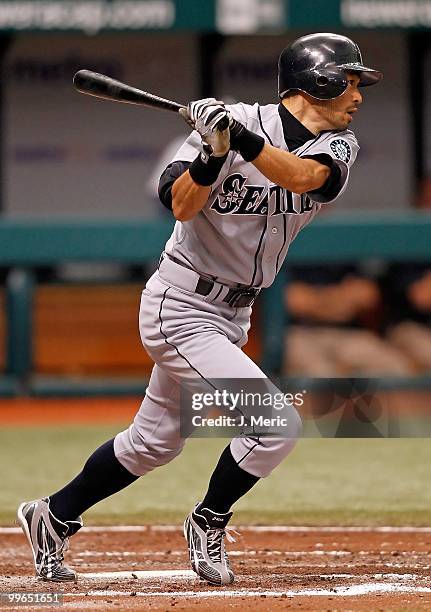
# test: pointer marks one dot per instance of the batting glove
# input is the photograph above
(209, 117)
(205, 115)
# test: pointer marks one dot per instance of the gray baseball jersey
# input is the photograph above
(244, 231)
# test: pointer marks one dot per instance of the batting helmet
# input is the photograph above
(317, 64)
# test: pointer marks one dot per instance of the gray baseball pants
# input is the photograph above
(192, 337)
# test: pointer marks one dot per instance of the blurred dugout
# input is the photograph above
(335, 316)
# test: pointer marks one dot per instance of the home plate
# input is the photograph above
(141, 575)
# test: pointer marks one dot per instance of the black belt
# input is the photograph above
(238, 298)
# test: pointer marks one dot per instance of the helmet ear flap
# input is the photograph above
(321, 83)
(329, 82)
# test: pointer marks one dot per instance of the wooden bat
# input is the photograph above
(101, 86)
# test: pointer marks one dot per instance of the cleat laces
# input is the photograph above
(63, 548)
(215, 545)
(55, 558)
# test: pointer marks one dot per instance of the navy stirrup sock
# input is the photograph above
(228, 483)
(101, 476)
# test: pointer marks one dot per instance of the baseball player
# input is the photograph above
(240, 195)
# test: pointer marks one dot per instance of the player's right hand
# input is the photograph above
(204, 115)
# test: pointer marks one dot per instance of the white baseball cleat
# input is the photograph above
(48, 538)
(205, 531)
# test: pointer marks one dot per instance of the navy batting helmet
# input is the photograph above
(317, 65)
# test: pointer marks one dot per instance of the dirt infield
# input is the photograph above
(276, 569)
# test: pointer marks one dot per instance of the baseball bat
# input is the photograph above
(101, 86)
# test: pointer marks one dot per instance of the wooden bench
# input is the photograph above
(93, 330)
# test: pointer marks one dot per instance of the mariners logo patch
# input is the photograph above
(341, 150)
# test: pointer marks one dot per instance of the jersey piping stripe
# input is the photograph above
(284, 242)
(261, 126)
(310, 145)
(256, 254)
(315, 141)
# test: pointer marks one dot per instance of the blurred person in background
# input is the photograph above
(408, 300)
(407, 289)
(334, 313)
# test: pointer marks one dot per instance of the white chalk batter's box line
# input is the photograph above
(188, 575)
(349, 591)
(251, 553)
(246, 528)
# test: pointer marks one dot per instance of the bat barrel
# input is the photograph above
(101, 86)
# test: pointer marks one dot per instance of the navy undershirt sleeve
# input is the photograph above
(331, 187)
(168, 178)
